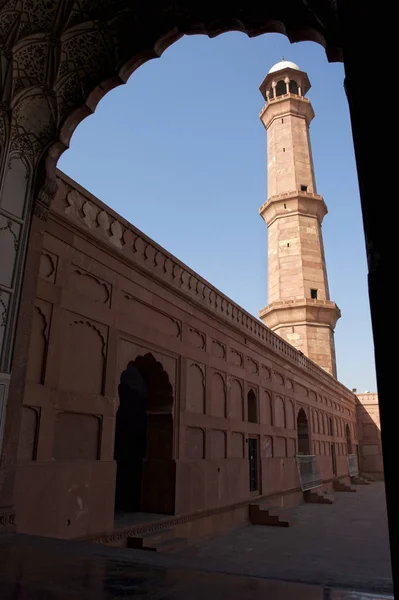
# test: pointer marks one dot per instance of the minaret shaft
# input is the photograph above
(290, 164)
(299, 307)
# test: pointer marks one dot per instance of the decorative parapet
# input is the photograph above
(77, 205)
(307, 301)
(283, 96)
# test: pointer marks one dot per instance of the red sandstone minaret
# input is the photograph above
(299, 307)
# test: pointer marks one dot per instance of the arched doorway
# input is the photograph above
(145, 479)
(348, 440)
(130, 439)
(303, 433)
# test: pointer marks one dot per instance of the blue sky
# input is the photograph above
(180, 152)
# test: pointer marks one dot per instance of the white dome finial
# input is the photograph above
(284, 64)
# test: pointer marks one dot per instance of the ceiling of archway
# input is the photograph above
(59, 57)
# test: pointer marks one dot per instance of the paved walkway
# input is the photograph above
(48, 569)
(343, 544)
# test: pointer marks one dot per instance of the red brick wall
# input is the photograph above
(106, 295)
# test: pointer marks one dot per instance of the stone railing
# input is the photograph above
(90, 214)
(271, 100)
(353, 467)
(308, 470)
(315, 301)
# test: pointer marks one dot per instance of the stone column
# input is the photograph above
(56, 64)
(25, 132)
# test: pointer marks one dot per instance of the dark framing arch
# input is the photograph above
(134, 34)
(129, 38)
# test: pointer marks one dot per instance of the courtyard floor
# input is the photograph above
(344, 544)
(333, 552)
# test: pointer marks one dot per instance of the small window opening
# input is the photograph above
(313, 294)
(285, 206)
(283, 149)
(293, 330)
(288, 245)
(304, 188)
(282, 120)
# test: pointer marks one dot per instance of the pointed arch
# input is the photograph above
(279, 412)
(218, 396)
(195, 389)
(281, 88)
(253, 416)
(266, 410)
(289, 414)
(315, 422)
(236, 401)
(325, 424)
(349, 448)
(293, 86)
(84, 359)
(303, 432)
(144, 436)
(38, 347)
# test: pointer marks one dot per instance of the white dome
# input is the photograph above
(284, 64)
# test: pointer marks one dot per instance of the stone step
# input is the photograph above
(372, 477)
(173, 544)
(162, 541)
(359, 480)
(261, 514)
(150, 538)
(340, 486)
(314, 497)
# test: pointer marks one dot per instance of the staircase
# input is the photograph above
(161, 541)
(315, 497)
(359, 480)
(261, 514)
(340, 486)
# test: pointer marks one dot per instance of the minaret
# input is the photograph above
(299, 309)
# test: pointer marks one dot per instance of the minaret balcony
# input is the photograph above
(293, 203)
(286, 104)
(301, 311)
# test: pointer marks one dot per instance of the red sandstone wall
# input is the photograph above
(107, 294)
(370, 449)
